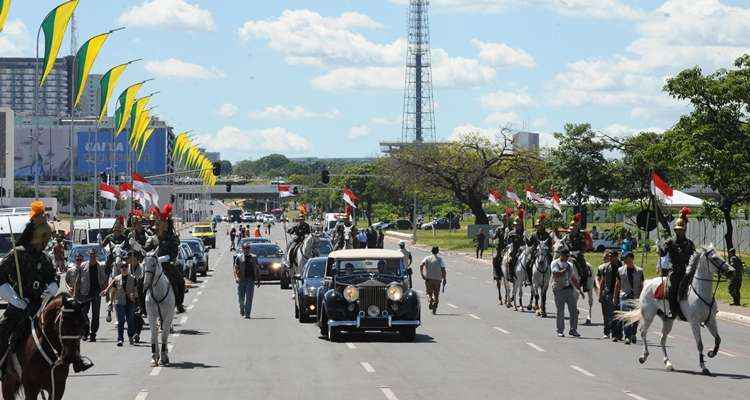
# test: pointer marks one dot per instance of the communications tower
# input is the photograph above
(419, 118)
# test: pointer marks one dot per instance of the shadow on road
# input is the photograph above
(90, 375)
(381, 337)
(193, 332)
(699, 373)
(191, 365)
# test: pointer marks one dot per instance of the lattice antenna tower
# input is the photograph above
(419, 105)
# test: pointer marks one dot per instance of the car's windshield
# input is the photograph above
(265, 250)
(381, 266)
(96, 234)
(325, 248)
(195, 246)
(316, 268)
(5, 244)
(101, 255)
(203, 229)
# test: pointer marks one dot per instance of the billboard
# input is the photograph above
(97, 147)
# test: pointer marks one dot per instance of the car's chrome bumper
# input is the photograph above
(391, 323)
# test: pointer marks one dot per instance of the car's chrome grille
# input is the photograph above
(372, 295)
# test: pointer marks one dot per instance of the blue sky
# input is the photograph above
(325, 77)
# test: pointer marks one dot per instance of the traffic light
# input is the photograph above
(325, 176)
(217, 168)
(295, 191)
(229, 188)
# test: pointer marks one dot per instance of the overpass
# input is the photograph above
(264, 197)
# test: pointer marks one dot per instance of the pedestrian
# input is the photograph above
(256, 232)
(606, 275)
(433, 273)
(481, 240)
(628, 288)
(123, 293)
(735, 284)
(381, 238)
(232, 237)
(268, 228)
(247, 277)
(563, 284)
(87, 280)
(407, 259)
(362, 240)
(627, 244)
(58, 251)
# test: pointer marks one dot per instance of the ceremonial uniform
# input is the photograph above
(534, 240)
(298, 232)
(679, 250)
(736, 282)
(515, 239)
(575, 242)
(169, 246)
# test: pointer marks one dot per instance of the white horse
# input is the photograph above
(505, 267)
(541, 277)
(699, 307)
(523, 257)
(310, 248)
(160, 303)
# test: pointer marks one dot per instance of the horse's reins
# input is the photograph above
(713, 296)
(151, 287)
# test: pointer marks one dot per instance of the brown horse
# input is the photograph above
(42, 361)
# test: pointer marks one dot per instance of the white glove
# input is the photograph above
(164, 259)
(51, 289)
(8, 294)
(135, 245)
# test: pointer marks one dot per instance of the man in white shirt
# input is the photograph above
(563, 282)
(433, 272)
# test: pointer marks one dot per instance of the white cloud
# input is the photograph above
(502, 55)
(348, 79)
(503, 119)
(228, 110)
(240, 144)
(286, 113)
(359, 131)
(470, 129)
(386, 120)
(624, 131)
(502, 100)
(539, 123)
(175, 14)
(598, 9)
(174, 68)
(15, 40)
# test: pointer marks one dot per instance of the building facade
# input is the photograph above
(7, 178)
(528, 141)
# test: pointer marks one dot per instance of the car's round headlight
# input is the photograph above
(311, 291)
(351, 293)
(275, 265)
(395, 292)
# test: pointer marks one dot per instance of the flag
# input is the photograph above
(146, 137)
(136, 110)
(513, 196)
(181, 144)
(285, 191)
(141, 184)
(4, 11)
(660, 188)
(126, 100)
(349, 197)
(85, 61)
(555, 200)
(535, 198)
(54, 27)
(107, 86)
(126, 191)
(495, 196)
(108, 192)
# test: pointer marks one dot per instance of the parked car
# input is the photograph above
(402, 225)
(306, 287)
(201, 253)
(605, 241)
(442, 223)
(270, 259)
(325, 247)
(248, 217)
(384, 224)
(366, 290)
(206, 233)
(186, 261)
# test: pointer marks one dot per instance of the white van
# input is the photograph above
(330, 221)
(89, 231)
(11, 223)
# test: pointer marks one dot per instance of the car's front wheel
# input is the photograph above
(408, 334)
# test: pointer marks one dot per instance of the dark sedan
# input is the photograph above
(306, 289)
(270, 257)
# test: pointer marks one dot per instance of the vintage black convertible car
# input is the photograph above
(305, 286)
(367, 290)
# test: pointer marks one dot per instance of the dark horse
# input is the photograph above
(42, 361)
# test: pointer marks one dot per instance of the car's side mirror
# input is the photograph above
(297, 277)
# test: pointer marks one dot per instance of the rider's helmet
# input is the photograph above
(576, 220)
(540, 221)
(682, 221)
(402, 244)
(519, 218)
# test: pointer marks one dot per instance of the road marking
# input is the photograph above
(170, 348)
(388, 393)
(633, 395)
(473, 277)
(351, 346)
(155, 371)
(583, 371)
(200, 292)
(459, 273)
(190, 307)
(142, 395)
(452, 305)
(368, 368)
(474, 316)
(488, 282)
(727, 354)
(535, 347)
(502, 330)
(195, 300)
(176, 335)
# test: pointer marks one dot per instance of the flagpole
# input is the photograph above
(35, 135)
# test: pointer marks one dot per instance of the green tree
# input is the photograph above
(23, 190)
(713, 141)
(226, 168)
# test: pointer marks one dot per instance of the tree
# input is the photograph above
(226, 168)
(23, 190)
(465, 168)
(713, 141)
(578, 167)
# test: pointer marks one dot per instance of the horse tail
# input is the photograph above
(630, 317)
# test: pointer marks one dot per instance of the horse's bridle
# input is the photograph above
(61, 338)
(719, 269)
(150, 287)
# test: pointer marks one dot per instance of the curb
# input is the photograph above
(734, 317)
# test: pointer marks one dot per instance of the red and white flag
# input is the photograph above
(513, 196)
(494, 196)
(285, 191)
(126, 191)
(660, 188)
(555, 200)
(108, 192)
(349, 197)
(534, 197)
(141, 184)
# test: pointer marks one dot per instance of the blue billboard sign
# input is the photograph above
(97, 148)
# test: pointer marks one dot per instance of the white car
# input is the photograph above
(269, 219)
(604, 242)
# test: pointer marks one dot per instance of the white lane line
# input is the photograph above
(583, 371)
(200, 292)
(170, 348)
(388, 393)
(501, 330)
(488, 282)
(155, 371)
(195, 300)
(175, 335)
(459, 273)
(368, 368)
(474, 316)
(452, 305)
(351, 346)
(473, 277)
(142, 395)
(535, 347)
(633, 395)
(727, 354)
(190, 307)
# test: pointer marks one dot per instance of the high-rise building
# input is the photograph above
(18, 81)
(526, 141)
(7, 178)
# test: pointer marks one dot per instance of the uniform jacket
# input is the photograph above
(679, 252)
(36, 269)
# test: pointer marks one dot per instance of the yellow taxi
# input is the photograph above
(204, 232)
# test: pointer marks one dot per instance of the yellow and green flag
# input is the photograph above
(54, 26)
(85, 61)
(108, 83)
(126, 100)
(139, 106)
(4, 11)
(140, 130)
(146, 136)
(180, 141)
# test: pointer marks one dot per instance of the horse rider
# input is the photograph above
(137, 245)
(515, 239)
(298, 232)
(338, 236)
(168, 245)
(539, 236)
(575, 241)
(116, 238)
(26, 276)
(679, 250)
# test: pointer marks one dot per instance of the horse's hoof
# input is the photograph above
(706, 372)
(588, 322)
(668, 365)
(154, 363)
(711, 354)
(544, 315)
(641, 360)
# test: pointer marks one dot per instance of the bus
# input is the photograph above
(90, 231)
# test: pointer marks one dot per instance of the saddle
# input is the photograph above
(661, 291)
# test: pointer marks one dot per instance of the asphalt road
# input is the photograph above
(472, 349)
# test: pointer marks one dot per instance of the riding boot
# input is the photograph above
(81, 364)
